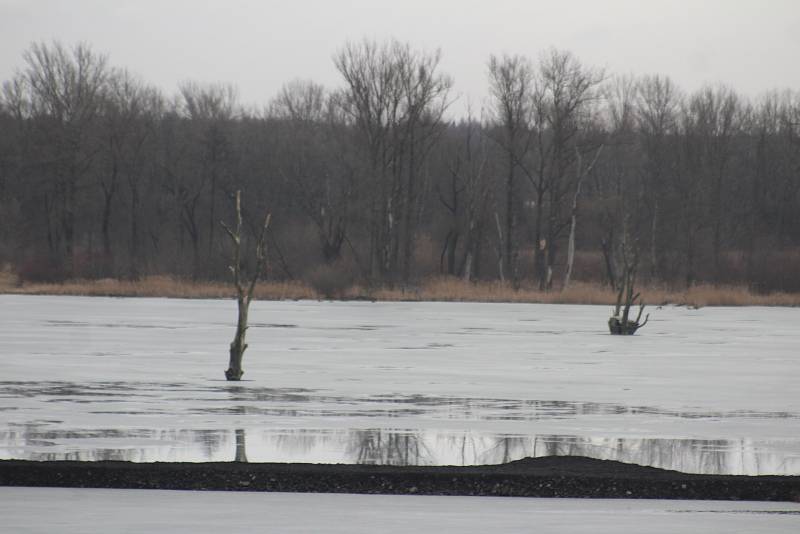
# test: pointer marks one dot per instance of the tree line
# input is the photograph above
(562, 169)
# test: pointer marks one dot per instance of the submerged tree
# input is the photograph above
(244, 289)
(627, 296)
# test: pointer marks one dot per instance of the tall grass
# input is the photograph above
(435, 289)
(450, 289)
(156, 286)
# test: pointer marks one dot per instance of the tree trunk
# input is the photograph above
(68, 226)
(409, 216)
(570, 251)
(133, 270)
(654, 267)
(107, 263)
(238, 345)
(500, 248)
(468, 265)
(508, 259)
(689, 258)
(608, 254)
(538, 246)
(244, 293)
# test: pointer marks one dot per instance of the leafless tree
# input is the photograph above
(657, 106)
(620, 322)
(582, 172)
(127, 123)
(716, 122)
(396, 98)
(315, 161)
(465, 191)
(244, 287)
(60, 91)
(210, 109)
(563, 112)
(511, 81)
(101, 175)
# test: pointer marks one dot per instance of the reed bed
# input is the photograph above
(436, 289)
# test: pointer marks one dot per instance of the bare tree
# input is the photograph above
(128, 112)
(210, 108)
(563, 112)
(627, 296)
(657, 107)
(314, 160)
(100, 175)
(619, 172)
(691, 189)
(625, 210)
(465, 191)
(60, 91)
(510, 86)
(244, 287)
(396, 98)
(581, 175)
(717, 119)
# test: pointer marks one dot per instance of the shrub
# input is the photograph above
(331, 280)
(41, 269)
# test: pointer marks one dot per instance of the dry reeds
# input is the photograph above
(156, 286)
(435, 289)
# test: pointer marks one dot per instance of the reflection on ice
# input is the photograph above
(397, 447)
(241, 444)
(140, 398)
(174, 421)
(375, 447)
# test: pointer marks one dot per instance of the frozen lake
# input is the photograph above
(67, 511)
(707, 391)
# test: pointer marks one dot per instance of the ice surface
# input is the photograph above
(67, 511)
(711, 390)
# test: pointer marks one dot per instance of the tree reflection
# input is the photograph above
(33, 442)
(507, 449)
(241, 452)
(42, 442)
(378, 447)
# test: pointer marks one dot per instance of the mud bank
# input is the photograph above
(531, 477)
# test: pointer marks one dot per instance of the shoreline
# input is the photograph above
(433, 290)
(553, 476)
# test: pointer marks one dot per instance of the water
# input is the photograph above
(702, 391)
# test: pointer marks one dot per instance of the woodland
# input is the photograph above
(564, 172)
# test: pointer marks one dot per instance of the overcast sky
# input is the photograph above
(751, 45)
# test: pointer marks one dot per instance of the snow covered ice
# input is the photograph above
(47, 510)
(709, 391)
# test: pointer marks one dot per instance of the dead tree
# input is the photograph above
(627, 297)
(244, 289)
(582, 173)
(511, 80)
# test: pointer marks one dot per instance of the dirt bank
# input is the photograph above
(539, 477)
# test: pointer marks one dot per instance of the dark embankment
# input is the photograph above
(539, 477)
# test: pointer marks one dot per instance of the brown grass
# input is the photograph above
(449, 289)
(435, 289)
(155, 286)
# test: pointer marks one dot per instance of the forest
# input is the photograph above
(563, 173)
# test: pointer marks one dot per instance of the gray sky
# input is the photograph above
(751, 45)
